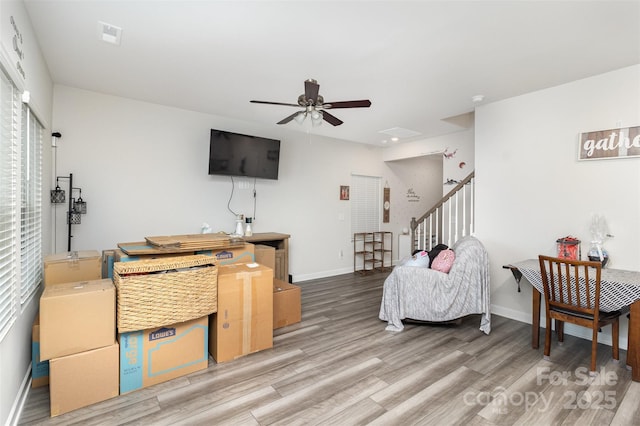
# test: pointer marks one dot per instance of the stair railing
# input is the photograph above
(448, 220)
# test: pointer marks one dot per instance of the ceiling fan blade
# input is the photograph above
(289, 118)
(331, 119)
(311, 89)
(365, 103)
(275, 103)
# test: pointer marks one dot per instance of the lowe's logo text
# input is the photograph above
(224, 255)
(162, 333)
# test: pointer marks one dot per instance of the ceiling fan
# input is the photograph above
(315, 106)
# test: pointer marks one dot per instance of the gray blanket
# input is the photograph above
(428, 295)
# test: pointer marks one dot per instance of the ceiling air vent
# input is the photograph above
(399, 132)
(109, 33)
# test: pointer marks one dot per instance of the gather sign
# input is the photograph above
(612, 143)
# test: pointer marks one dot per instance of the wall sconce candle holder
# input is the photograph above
(57, 195)
(79, 205)
(74, 218)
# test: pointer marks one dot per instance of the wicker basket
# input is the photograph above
(158, 292)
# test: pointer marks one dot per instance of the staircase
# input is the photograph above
(449, 220)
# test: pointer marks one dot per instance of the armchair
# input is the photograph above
(419, 293)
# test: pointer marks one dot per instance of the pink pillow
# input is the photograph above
(443, 261)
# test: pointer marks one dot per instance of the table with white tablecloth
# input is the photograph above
(618, 290)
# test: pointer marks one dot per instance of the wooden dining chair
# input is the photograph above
(572, 294)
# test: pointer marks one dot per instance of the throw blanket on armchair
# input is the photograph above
(428, 295)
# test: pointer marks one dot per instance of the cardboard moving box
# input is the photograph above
(108, 257)
(286, 304)
(83, 379)
(77, 317)
(72, 266)
(121, 256)
(39, 369)
(156, 355)
(245, 254)
(244, 321)
(266, 255)
(239, 253)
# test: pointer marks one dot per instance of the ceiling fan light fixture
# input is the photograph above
(313, 105)
(316, 118)
(300, 117)
(315, 114)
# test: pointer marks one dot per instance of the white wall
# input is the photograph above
(456, 165)
(15, 348)
(419, 185)
(143, 172)
(531, 189)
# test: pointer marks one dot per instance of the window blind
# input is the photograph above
(31, 205)
(9, 131)
(365, 203)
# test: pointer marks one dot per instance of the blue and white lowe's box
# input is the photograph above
(152, 356)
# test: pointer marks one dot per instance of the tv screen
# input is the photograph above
(234, 154)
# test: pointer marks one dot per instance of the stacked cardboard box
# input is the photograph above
(76, 317)
(76, 332)
(72, 266)
(286, 297)
(108, 257)
(244, 321)
(266, 255)
(286, 304)
(155, 355)
(59, 268)
(77, 336)
(244, 254)
(39, 368)
(84, 378)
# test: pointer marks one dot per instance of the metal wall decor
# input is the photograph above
(386, 204)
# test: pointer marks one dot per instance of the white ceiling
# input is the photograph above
(419, 62)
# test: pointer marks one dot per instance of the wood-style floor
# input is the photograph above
(340, 367)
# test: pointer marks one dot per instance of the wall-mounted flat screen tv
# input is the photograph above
(234, 154)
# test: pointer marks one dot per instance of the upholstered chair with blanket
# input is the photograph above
(427, 294)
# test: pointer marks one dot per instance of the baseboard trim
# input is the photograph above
(21, 399)
(511, 314)
(322, 274)
(326, 274)
(570, 329)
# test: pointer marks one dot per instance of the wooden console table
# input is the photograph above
(281, 243)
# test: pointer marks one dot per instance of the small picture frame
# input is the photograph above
(344, 192)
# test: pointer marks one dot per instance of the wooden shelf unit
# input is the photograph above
(372, 251)
(383, 250)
